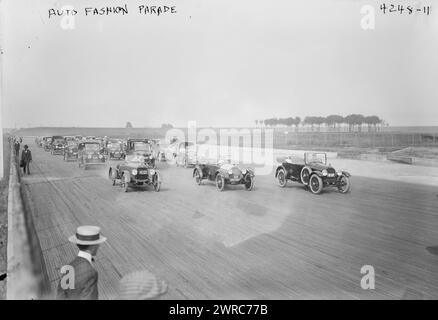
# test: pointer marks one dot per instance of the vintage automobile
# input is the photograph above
(89, 155)
(224, 173)
(135, 172)
(115, 150)
(47, 142)
(67, 139)
(186, 154)
(312, 171)
(57, 145)
(141, 147)
(78, 138)
(71, 151)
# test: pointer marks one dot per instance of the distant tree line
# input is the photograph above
(332, 121)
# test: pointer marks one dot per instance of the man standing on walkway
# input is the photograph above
(80, 280)
(26, 158)
(17, 148)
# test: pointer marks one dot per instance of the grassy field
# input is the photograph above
(4, 219)
(348, 145)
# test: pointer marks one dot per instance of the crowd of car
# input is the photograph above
(138, 157)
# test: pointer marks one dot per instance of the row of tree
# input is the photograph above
(331, 121)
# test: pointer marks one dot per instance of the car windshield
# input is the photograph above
(114, 145)
(316, 158)
(135, 158)
(142, 146)
(92, 147)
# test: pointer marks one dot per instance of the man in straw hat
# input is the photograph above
(82, 285)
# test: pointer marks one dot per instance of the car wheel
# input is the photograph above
(198, 177)
(157, 182)
(249, 182)
(344, 184)
(305, 175)
(281, 177)
(315, 184)
(220, 182)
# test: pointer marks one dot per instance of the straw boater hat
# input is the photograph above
(87, 235)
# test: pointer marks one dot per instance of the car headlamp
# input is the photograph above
(324, 172)
(90, 156)
(339, 173)
(100, 156)
(243, 171)
(134, 172)
(152, 171)
(230, 171)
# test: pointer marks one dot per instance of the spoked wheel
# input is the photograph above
(305, 176)
(198, 177)
(344, 184)
(220, 182)
(281, 177)
(315, 184)
(249, 182)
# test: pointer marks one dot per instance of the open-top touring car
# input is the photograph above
(224, 173)
(135, 172)
(89, 155)
(312, 171)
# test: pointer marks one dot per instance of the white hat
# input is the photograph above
(87, 235)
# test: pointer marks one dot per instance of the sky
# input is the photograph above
(222, 63)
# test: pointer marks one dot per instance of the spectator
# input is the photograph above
(26, 158)
(85, 277)
(17, 148)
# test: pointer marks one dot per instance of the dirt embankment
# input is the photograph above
(4, 219)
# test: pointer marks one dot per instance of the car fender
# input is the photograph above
(199, 169)
(250, 171)
(316, 172)
(347, 174)
(222, 172)
(280, 168)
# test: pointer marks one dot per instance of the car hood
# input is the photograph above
(134, 165)
(320, 167)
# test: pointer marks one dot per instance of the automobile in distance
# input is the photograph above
(70, 151)
(224, 173)
(69, 138)
(89, 155)
(47, 142)
(90, 138)
(312, 171)
(135, 172)
(141, 147)
(186, 154)
(78, 138)
(115, 150)
(57, 145)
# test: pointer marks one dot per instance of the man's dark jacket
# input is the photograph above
(85, 284)
(26, 156)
